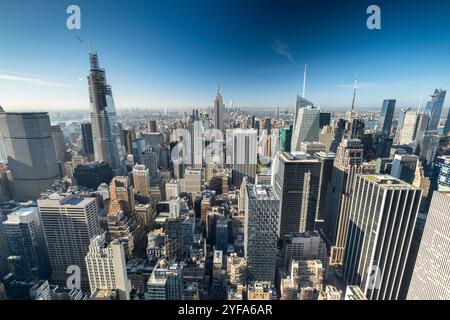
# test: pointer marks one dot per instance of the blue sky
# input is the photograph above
(172, 53)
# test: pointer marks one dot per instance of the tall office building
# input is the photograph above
(386, 116)
(286, 138)
(197, 144)
(141, 180)
(434, 108)
(30, 151)
(218, 111)
(447, 125)
(260, 232)
(431, 276)
(121, 190)
(326, 160)
(26, 243)
(404, 167)
(407, 133)
(87, 140)
(242, 146)
(306, 123)
(347, 165)
(296, 181)
(166, 281)
(92, 175)
(69, 223)
(107, 268)
(59, 142)
(105, 130)
(4, 251)
(304, 246)
(324, 119)
(381, 224)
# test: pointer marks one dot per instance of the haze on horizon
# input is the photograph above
(172, 54)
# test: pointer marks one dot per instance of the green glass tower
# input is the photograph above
(285, 138)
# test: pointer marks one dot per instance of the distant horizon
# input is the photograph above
(176, 54)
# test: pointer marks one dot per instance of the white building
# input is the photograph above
(431, 276)
(242, 147)
(106, 266)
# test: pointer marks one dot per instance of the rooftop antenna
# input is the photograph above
(354, 93)
(304, 84)
(420, 100)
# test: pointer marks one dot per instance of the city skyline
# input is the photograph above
(257, 53)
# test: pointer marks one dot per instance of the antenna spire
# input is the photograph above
(354, 94)
(304, 84)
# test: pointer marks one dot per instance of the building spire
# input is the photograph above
(304, 84)
(354, 93)
(218, 88)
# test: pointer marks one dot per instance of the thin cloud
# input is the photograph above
(279, 47)
(369, 85)
(36, 80)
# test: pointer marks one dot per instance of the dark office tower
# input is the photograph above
(59, 142)
(267, 124)
(286, 138)
(355, 129)
(347, 165)
(297, 185)
(174, 238)
(30, 151)
(128, 137)
(381, 224)
(105, 130)
(86, 135)
(386, 116)
(440, 177)
(218, 111)
(326, 160)
(26, 242)
(153, 126)
(338, 134)
(4, 252)
(324, 119)
(92, 175)
(434, 108)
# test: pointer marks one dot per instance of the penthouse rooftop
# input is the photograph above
(388, 182)
(261, 192)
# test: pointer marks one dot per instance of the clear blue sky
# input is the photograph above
(172, 53)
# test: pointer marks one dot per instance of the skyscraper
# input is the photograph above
(4, 252)
(431, 276)
(141, 180)
(242, 146)
(218, 111)
(404, 167)
(121, 190)
(381, 223)
(296, 181)
(86, 135)
(407, 133)
(306, 123)
(326, 160)
(105, 131)
(30, 152)
(59, 142)
(386, 116)
(106, 266)
(260, 232)
(286, 138)
(69, 223)
(26, 241)
(434, 108)
(347, 165)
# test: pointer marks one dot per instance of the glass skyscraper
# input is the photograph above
(434, 107)
(387, 113)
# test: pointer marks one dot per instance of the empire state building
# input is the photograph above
(105, 130)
